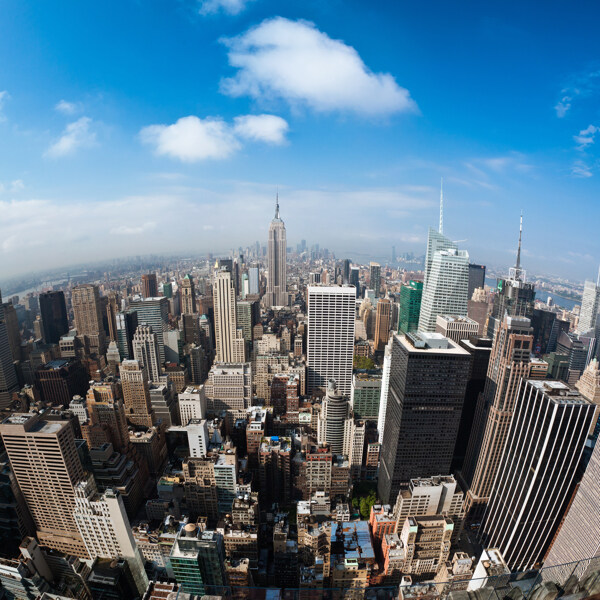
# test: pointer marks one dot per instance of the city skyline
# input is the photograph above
(215, 137)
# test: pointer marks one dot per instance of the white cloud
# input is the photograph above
(75, 135)
(581, 169)
(563, 106)
(295, 61)
(231, 7)
(586, 136)
(263, 128)
(14, 186)
(67, 108)
(192, 139)
(3, 98)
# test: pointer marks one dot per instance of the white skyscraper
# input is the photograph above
(229, 340)
(105, 528)
(590, 305)
(8, 375)
(146, 351)
(385, 388)
(446, 288)
(277, 254)
(331, 315)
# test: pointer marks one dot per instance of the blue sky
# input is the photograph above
(133, 127)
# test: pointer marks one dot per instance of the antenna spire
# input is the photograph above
(598, 280)
(518, 265)
(442, 205)
(277, 204)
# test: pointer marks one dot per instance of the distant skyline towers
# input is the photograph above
(428, 378)
(536, 472)
(330, 347)
(53, 311)
(230, 344)
(590, 306)
(346, 271)
(88, 315)
(277, 257)
(188, 296)
(149, 285)
(8, 375)
(253, 280)
(375, 278)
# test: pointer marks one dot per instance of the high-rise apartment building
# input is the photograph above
(536, 474)
(149, 285)
(426, 394)
(229, 339)
(331, 316)
(383, 322)
(188, 296)
(87, 310)
(509, 362)
(54, 316)
(375, 278)
(44, 460)
(446, 287)
(335, 411)
(61, 379)
(146, 351)
(8, 375)
(277, 256)
(229, 387)
(590, 306)
(154, 312)
(136, 393)
(104, 526)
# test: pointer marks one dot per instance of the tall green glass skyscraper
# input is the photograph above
(410, 306)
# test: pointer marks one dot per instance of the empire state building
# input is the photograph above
(277, 280)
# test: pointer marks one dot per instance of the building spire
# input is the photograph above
(598, 280)
(518, 265)
(277, 204)
(442, 206)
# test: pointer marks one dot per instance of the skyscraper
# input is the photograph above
(331, 313)
(446, 287)
(136, 393)
(8, 375)
(543, 448)
(335, 410)
(145, 350)
(514, 296)
(104, 526)
(590, 306)
(410, 306)
(229, 340)
(509, 362)
(425, 399)
(346, 271)
(375, 278)
(277, 279)
(253, 287)
(476, 278)
(383, 323)
(87, 310)
(54, 316)
(46, 465)
(188, 296)
(149, 285)
(354, 276)
(154, 312)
